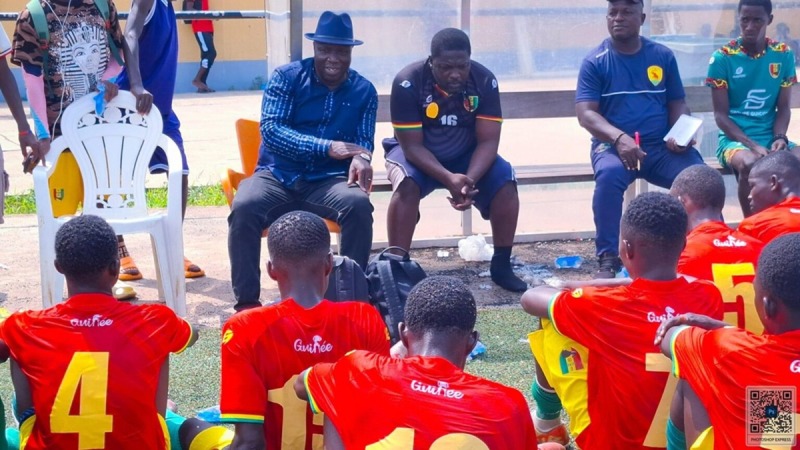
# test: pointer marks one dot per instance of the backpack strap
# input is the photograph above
(42, 30)
(393, 303)
(102, 6)
(43, 33)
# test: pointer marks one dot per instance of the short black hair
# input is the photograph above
(450, 39)
(703, 184)
(658, 219)
(767, 4)
(86, 246)
(298, 236)
(632, 2)
(778, 269)
(783, 164)
(440, 304)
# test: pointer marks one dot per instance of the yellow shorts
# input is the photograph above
(564, 363)
(66, 186)
(705, 441)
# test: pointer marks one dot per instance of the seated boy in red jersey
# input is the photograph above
(714, 252)
(728, 368)
(774, 197)
(264, 349)
(426, 400)
(91, 372)
(629, 388)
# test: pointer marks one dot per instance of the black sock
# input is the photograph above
(502, 273)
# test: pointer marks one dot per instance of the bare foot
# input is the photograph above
(201, 87)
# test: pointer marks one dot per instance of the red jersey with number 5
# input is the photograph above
(716, 253)
(747, 383)
(629, 386)
(265, 349)
(93, 366)
(417, 403)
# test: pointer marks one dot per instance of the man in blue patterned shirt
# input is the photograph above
(317, 131)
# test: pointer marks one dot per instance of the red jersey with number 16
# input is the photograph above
(417, 403)
(265, 349)
(93, 365)
(629, 385)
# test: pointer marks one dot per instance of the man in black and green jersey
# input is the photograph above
(751, 79)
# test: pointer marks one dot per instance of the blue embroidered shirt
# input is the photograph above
(301, 117)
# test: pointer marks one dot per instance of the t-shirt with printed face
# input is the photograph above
(78, 51)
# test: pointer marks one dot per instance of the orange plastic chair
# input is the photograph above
(248, 134)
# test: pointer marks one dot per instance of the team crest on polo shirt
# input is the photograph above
(577, 293)
(774, 69)
(655, 74)
(227, 336)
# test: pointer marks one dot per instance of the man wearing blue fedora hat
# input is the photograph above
(317, 131)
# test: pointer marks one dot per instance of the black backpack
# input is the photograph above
(347, 281)
(391, 278)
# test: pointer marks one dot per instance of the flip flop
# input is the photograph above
(192, 270)
(124, 291)
(128, 270)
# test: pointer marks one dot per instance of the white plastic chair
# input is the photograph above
(113, 151)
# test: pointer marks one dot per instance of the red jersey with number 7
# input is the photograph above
(716, 253)
(747, 383)
(265, 349)
(417, 403)
(629, 385)
(93, 366)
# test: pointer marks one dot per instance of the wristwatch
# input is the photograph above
(366, 157)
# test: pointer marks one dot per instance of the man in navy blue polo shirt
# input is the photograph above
(629, 85)
(317, 131)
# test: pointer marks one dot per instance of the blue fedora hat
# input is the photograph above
(336, 29)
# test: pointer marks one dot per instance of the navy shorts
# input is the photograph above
(500, 173)
(172, 128)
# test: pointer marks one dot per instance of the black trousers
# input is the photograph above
(262, 199)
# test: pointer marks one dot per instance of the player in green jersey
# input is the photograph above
(751, 79)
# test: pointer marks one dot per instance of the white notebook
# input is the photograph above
(684, 129)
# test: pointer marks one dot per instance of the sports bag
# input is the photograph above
(390, 279)
(347, 281)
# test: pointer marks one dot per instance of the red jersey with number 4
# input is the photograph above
(629, 386)
(417, 403)
(744, 381)
(93, 366)
(716, 253)
(265, 349)
(777, 220)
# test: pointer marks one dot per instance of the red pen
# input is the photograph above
(636, 138)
